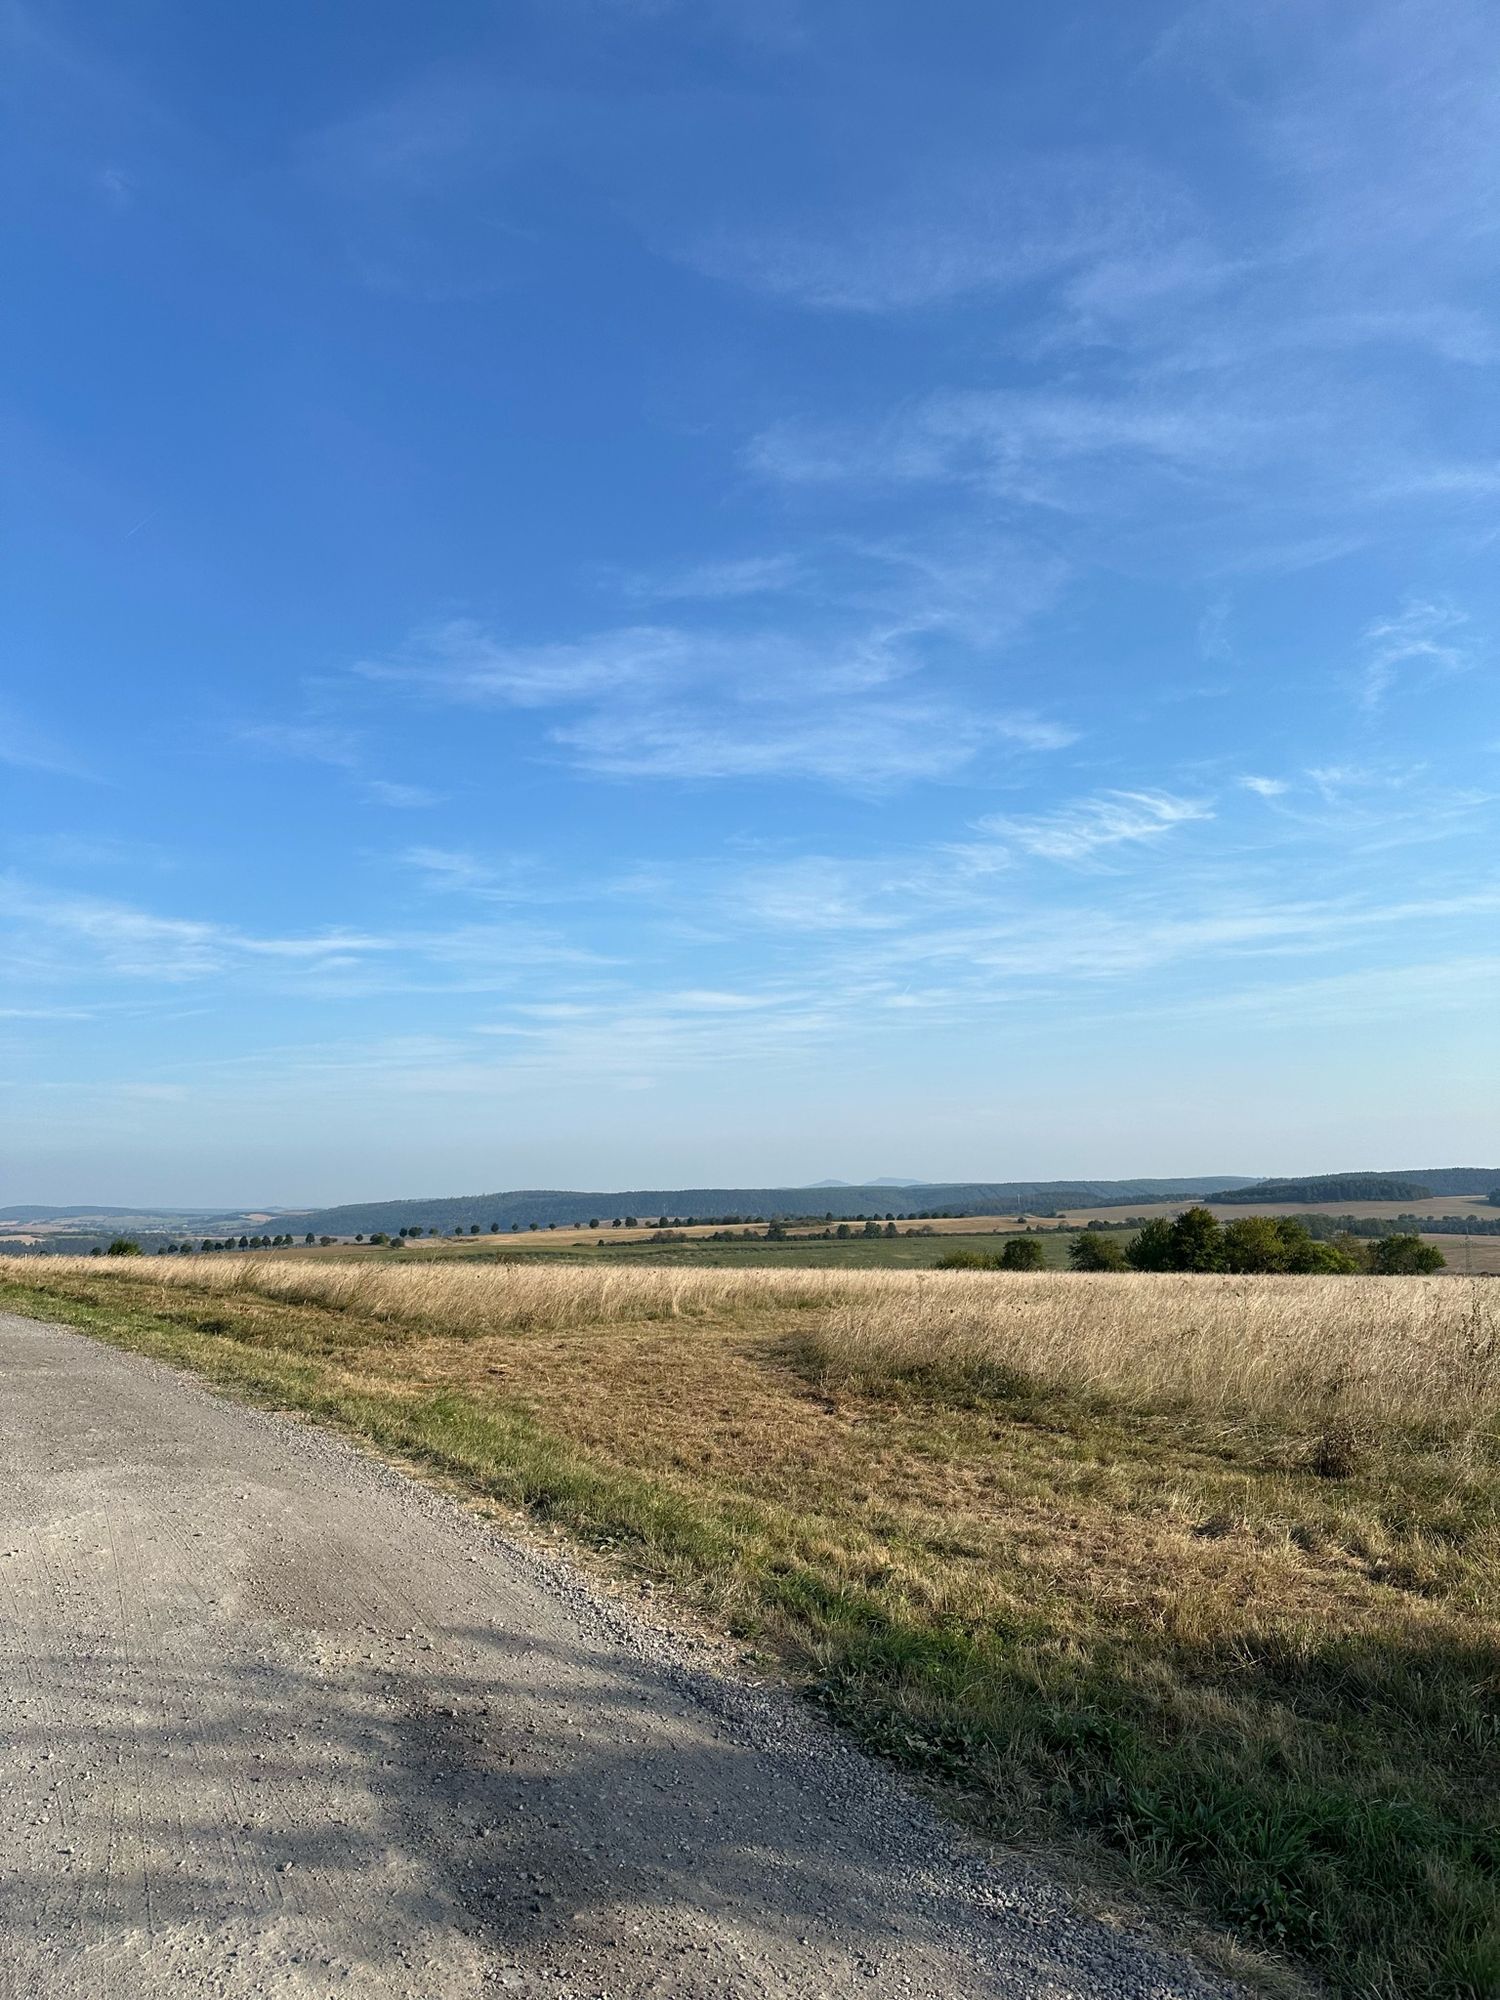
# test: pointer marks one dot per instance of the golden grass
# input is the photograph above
(1415, 1354)
(1065, 1542)
(1419, 1354)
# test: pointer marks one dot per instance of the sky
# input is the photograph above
(616, 593)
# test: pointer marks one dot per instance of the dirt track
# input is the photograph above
(275, 1720)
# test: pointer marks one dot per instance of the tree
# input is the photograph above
(1333, 1259)
(1089, 1251)
(1153, 1249)
(1198, 1240)
(123, 1246)
(1255, 1243)
(1022, 1253)
(1306, 1256)
(1405, 1257)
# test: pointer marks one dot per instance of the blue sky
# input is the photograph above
(612, 592)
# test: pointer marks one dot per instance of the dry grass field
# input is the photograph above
(1195, 1578)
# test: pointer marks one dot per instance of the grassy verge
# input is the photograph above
(1119, 1621)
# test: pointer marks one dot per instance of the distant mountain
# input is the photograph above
(63, 1212)
(880, 1180)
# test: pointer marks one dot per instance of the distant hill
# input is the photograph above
(880, 1180)
(1331, 1187)
(536, 1207)
(1456, 1180)
(61, 1212)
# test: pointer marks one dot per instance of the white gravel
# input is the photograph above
(276, 1720)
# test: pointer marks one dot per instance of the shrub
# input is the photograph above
(1022, 1253)
(1153, 1249)
(1089, 1251)
(1405, 1257)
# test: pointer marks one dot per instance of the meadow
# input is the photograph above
(1192, 1580)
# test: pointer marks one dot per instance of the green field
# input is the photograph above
(892, 1253)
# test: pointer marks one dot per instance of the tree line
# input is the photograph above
(1196, 1240)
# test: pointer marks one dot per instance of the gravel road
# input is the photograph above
(276, 1720)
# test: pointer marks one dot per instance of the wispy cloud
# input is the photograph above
(1079, 831)
(1228, 383)
(716, 582)
(1423, 638)
(957, 228)
(25, 748)
(849, 708)
(1266, 788)
(509, 878)
(96, 935)
(340, 748)
(405, 798)
(313, 742)
(1017, 442)
(894, 742)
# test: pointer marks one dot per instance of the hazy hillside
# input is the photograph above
(1455, 1180)
(1331, 1187)
(22, 1212)
(538, 1206)
(1408, 1184)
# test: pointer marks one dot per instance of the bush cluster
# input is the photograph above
(1021, 1253)
(1197, 1241)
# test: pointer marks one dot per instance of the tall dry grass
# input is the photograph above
(1416, 1354)
(467, 1299)
(1411, 1354)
